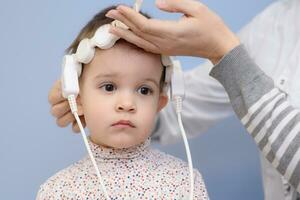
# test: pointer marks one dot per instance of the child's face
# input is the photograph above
(120, 95)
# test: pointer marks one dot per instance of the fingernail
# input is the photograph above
(161, 3)
(120, 7)
(110, 14)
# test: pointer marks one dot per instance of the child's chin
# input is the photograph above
(124, 143)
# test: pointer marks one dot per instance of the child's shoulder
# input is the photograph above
(169, 162)
(166, 159)
(174, 174)
(64, 179)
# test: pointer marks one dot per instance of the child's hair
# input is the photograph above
(91, 27)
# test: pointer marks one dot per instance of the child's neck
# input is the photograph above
(104, 152)
(101, 145)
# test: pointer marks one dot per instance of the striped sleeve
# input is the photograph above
(264, 110)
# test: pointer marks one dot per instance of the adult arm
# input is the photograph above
(264, 110)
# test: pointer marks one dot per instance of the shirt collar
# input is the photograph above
(105, 153)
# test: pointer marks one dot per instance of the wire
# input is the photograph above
(178, 108)
(73, 106)
(137, 5)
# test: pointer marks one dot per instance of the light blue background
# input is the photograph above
(34, 35)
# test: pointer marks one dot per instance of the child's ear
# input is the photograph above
(79, 105)
(162, 101)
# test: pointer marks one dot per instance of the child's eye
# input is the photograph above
(108, 87)
(145, 90)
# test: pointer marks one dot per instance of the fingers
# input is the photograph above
(75, 127)
(55, 94)
(187, 7)
(60, 109)
(139, 24)
(139, 35)
(137, 21)
(114, 14)
(134, 39)
(151, 31)
(65, 120)
(69, 118)
(117, 15)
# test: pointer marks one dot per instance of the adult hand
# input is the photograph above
(199, 32)
(61, 110)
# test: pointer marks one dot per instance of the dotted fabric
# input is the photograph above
(138, 172)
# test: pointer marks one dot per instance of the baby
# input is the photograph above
(121, 92)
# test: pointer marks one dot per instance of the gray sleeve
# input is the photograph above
(264, 111)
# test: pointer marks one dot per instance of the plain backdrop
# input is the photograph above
(33, 37)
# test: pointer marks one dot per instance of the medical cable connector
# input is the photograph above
(70, 89)
(72, 102)
(178, 95)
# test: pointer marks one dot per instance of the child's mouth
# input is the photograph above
(124, 124)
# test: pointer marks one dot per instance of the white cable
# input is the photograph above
(178, 108)
(73, 106)
(137, 5)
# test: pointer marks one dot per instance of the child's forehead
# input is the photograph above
(126, 54)
(124, 48)
(123, 59)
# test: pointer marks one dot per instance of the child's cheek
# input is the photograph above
(95, 113)
(147, 117)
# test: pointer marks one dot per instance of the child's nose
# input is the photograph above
(126, 108)
(126, 104)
